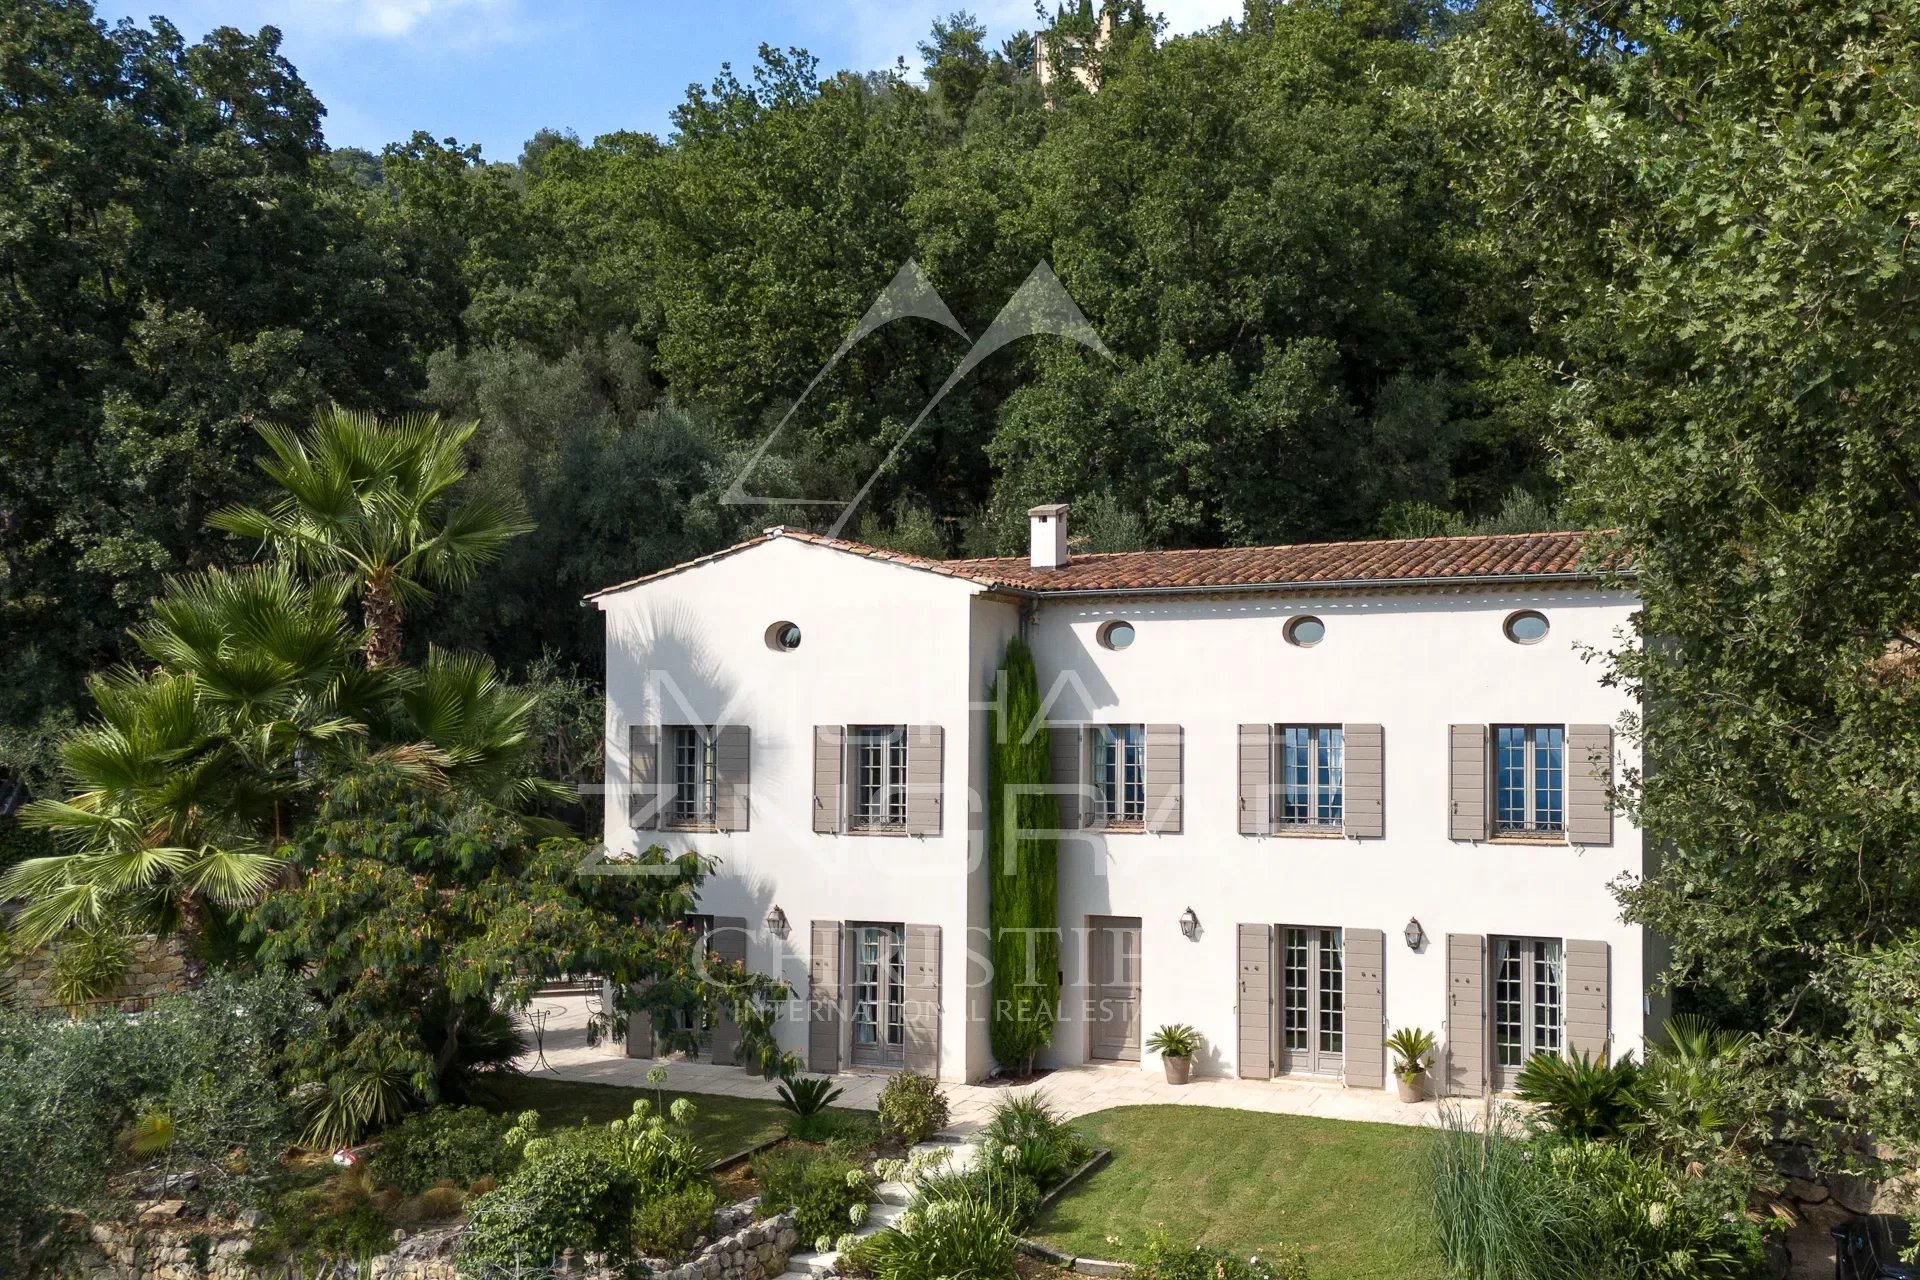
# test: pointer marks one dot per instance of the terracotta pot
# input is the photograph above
(1412, 1088)
(1179, 1070)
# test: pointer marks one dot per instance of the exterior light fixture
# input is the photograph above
(1415, 935)
(777, 921)
(1189, 924)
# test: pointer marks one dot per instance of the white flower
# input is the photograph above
(1656, 1214)
(856, 1214)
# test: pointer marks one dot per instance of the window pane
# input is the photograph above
(1549, 761)
(1509, 1035)
(1332, 752)
(1510, 764)
(1294, 985)
(1546, 996)
(1333, 1018)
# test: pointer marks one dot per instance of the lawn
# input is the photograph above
(1347, 1195)
(722, 1125)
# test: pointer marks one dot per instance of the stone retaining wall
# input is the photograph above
(749, 1248)
(159, 968)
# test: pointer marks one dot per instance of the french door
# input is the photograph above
(879, 996)
(1529, 1004)
(1313, 1019)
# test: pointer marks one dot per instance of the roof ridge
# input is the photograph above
(1297, 546)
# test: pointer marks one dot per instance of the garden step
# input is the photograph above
(819, 1266)
(960, 1155)
(894, 1192)
(881, 1215)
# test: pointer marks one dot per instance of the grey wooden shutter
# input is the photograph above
(1255, 1048)
(727, 943)
(1365, 1003)
(1364, 780)
(732, 769)
(828, 793)
(1466, 1015)
(1589, 997)
(1590, 783)
(1467, 782)
(1256, 779)
(643, 769)
(921, 1013)
(924, 751)
(823, 998)
(1161, 743)
(1065, 743)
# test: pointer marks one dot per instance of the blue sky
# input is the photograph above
(494, 71)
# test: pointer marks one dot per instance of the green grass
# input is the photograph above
(721, 1125)
(1348, 1196)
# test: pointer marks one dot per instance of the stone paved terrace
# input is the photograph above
(1074, 1090)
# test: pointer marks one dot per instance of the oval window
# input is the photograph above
(783, 637)
(1306, 632)
(1116, 635)
(1529, 626)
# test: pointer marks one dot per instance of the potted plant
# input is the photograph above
(1412, 1049)
(1176, 1043)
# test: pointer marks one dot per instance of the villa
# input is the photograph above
(1309, 794)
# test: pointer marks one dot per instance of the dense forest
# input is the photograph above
(1363, 267)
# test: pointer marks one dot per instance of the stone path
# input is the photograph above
(1075, 1091)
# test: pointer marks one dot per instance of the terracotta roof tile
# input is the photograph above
(1421, 560)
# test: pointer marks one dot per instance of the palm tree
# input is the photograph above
(371, 503)
(182, 784)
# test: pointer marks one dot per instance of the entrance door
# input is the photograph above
(1113, 988)
(1313, 1017)
(879, 996)
(1528, 1004)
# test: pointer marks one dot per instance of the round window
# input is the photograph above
(1306, 632)
(783, 637)
(1529, 626)
(1116, 635)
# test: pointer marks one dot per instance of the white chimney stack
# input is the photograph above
(1048, 527)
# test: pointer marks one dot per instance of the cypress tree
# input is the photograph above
(1022, 872)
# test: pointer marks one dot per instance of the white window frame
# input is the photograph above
(877, 778)
(1536, 1009)
(1532, 820)
(689, 759)
(1326, 784)
(1117, 775)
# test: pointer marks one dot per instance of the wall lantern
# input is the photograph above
(1415, 935)
(1189, 924)
(777, 922)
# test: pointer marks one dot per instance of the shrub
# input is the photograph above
(1642, 1221)
(1581, 1097)
(1045, 1148)
(569, 1193)
(828, 1193)
(913, 1107)
(1412, 1049)
(1163, 1259)
(808, 1096)
(1175, 1040)
(1494, 1216)
(666, 1223)
(457, 1144)
(952, 1230)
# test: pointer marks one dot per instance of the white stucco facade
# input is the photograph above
(893, 644)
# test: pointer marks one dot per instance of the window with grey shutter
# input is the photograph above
(1162, 778)
(1590, 784)
(1066, 745)
(643, 768)
(1365, 780)
(1255, 1048)
(1588, 998)
(922, 990)
(1256, 780)
(1467, 782)
(925, 748)
(726, 945)
(1466, 1027)
(827, 788)
(733, 767)
(824, 999)
(1365, 998)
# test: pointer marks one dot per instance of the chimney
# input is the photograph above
(1048, 527)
